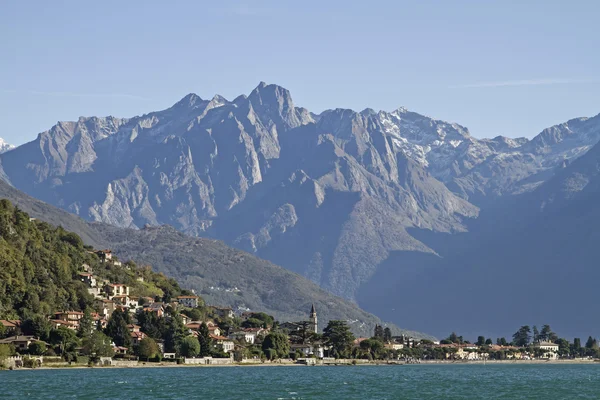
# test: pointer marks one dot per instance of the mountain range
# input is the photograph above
(373, 206)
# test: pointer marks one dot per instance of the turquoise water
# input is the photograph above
(383, 382)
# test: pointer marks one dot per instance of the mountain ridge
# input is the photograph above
(331, 196)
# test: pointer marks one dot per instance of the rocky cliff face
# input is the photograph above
(329, 196)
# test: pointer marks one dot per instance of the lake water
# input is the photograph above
(368, 382)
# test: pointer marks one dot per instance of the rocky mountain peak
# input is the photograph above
(191, 100)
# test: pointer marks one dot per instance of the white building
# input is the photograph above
(188, 301)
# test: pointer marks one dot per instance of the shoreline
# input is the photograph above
(340, 364)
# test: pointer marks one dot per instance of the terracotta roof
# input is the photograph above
(61, 322)
(68, 312)
(215, 337)
(7, 324)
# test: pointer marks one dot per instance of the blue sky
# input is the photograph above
(497, 67)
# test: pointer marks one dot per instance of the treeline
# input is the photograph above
(526, 337)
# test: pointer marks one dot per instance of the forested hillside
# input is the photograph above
(40, 266)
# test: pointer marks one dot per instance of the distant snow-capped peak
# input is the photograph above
(4, 147)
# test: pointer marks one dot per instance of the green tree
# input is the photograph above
(174, 333)
(488, 342)
(387, 334)
(37, 348)
(258, 320)
(536, 334)
(480, 341)
(189, 347)
(97, 345)
(151, 324)
(576, 348)
(5, 352)
(117, 329)
(547, 335)
(378, 334)
(65, 338)
(37, 326)
(591, 347)
(147, 348)
(86, 324)
(278, 344)
(454, 338)
(337, 334)
(564, 348)
(204, 340)
(522, 337)
(373, 346)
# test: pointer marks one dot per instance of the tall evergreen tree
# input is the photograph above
(337, 334)
(204, 340)
(174, 334)
(378, 332)
(591, 343)
(536, 334)
(86, 324)
(576, 349)
(276, 344)
(547, 335)
(117, 328)
(387, 334)
(522, 337)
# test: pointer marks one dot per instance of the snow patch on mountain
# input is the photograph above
(4, 146)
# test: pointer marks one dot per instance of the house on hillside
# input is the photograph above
(223, 312)
(107, 307)
(88, 279)
(104, 255)
(121, 299)
(188, 301)
(21, 343)
(223, 343)
(116, 289)
(136, 334)
(156, 308)
(57, 323)
(72, 317)
(248, 335)
(11, 327)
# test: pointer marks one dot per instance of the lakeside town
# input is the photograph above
(124, 329)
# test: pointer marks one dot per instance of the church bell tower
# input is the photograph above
(313, 319)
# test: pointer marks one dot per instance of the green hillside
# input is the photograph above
(40, 266)
(210, 267)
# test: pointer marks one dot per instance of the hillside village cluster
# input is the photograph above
(250, 337)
